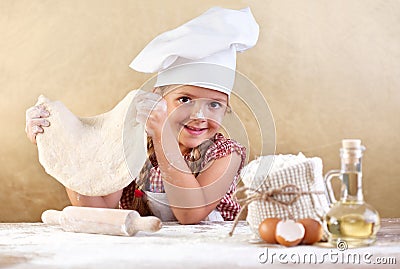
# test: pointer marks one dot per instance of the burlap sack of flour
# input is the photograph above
(293, 185)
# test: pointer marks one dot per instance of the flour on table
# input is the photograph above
(96, 155)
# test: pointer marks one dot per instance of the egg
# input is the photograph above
(267, 228)
(289, 233)
(313, 231)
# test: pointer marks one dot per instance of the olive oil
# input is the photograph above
(357, 224)
(350, 219)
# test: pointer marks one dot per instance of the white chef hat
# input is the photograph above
(201, 52)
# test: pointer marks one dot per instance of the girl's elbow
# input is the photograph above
(186, 218)
(188, 221)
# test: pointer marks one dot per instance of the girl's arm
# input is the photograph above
(192, 198)
(107, 201)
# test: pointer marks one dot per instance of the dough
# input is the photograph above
(93, 156)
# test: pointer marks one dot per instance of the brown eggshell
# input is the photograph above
(313, 231)
(289, 233)
(267, 228)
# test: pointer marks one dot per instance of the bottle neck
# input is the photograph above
(351, 173)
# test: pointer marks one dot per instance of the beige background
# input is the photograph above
(328, 69)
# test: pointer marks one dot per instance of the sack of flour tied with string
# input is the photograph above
(283, 186)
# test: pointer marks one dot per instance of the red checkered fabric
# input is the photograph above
(217, 148)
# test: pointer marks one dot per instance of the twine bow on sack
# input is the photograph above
(292, 191)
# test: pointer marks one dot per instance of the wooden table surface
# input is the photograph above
(206, 245)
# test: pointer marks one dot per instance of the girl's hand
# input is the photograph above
(151, 110)
(36, 119)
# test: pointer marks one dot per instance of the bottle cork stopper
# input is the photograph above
(351, 143)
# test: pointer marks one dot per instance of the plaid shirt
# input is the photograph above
(219, 148)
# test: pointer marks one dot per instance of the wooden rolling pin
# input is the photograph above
(101, 220)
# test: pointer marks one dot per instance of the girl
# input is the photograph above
(188, 159)
(188, 127)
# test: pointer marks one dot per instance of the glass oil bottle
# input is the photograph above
(351, 219)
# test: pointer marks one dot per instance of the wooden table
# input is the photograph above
(207, 245)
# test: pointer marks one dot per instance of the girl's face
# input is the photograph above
(195, 114)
